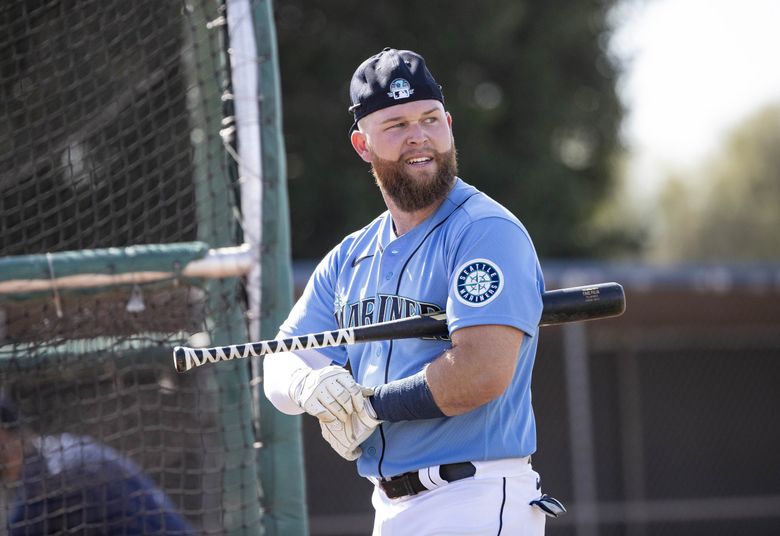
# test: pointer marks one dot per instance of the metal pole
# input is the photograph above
(583, 457)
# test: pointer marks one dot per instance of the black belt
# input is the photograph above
(410, 484)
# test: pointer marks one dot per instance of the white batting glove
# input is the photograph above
(329, 393)
(364, 420)
(341, 438)
(345, 437)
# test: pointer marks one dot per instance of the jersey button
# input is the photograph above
(371, 451)
(389, 275)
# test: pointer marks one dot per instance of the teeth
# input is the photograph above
(417, 160)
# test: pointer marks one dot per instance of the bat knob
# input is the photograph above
(179, 359)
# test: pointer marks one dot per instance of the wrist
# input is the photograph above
(405, 400)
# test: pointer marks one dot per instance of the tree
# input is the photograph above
(730, 211)
(529, 83)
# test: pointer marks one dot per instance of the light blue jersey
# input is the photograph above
(471, 257)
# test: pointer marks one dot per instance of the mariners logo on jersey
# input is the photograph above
(400, 89)
(478, 282)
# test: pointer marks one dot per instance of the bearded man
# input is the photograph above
(444, 429)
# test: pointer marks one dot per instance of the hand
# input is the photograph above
(345, 437)
(364, 420)
(329, 393)
(341, 438)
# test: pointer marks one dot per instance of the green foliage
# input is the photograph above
(730, 211)
(529, 84)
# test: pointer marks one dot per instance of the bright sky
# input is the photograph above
(697, 67)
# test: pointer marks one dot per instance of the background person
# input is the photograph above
(67, 484)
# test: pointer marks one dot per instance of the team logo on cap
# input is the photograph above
(479, 282)
(400, 89)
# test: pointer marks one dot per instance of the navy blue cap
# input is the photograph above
(389, 78)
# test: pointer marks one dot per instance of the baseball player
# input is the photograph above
(443, 428)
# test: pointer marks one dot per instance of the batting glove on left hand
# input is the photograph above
(345, 437)
(341, 438)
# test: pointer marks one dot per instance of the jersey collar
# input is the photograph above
(459, 193)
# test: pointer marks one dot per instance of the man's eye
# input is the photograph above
(396, 125)
(431, 120)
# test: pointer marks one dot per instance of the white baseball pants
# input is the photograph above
(492, 502)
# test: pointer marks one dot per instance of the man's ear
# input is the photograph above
(358, 140)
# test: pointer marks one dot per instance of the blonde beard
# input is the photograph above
(411, 194)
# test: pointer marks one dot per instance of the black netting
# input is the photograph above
(110, 113)
(95, 141)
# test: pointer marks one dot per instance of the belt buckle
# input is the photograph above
(400, 486)
(407, 485)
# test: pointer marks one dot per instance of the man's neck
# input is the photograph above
(403, 221)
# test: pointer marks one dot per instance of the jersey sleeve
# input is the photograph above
(495, 277)
(314, 310)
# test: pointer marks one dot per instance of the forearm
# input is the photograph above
(413, 398)
(460, 384)
(477, 369)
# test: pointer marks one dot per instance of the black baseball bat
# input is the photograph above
(560, 306)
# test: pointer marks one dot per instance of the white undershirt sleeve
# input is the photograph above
(284, 372)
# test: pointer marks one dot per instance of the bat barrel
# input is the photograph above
(592, 301)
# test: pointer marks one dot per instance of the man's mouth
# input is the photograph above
(419, 160)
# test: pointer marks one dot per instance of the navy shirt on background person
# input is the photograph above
(75, 485)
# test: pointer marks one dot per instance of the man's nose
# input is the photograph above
(417, 134)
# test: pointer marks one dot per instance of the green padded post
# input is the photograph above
(216, 226)
(281, 458)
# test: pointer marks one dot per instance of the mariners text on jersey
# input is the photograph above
(386, 307)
